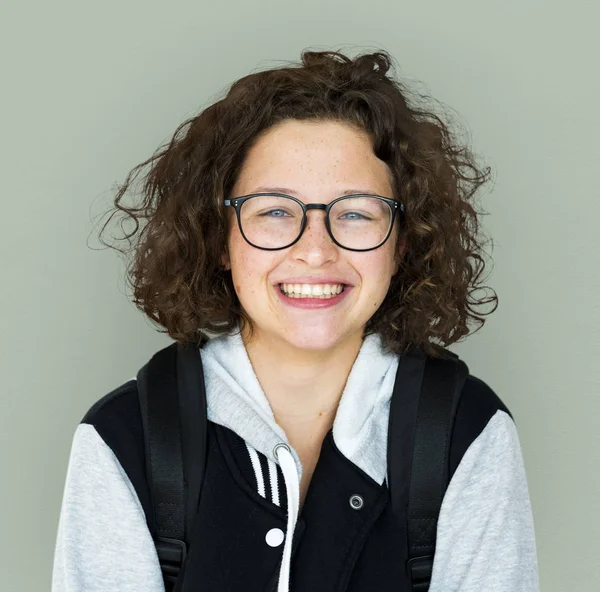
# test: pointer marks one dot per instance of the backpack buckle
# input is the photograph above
(171, 554)
(419, 569)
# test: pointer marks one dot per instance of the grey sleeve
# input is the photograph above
(103, 542)
(485, 533)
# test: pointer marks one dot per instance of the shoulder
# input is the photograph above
(485, 538)
(117, 419)
(121, 401)
(477, 405)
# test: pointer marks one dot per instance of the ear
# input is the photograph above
(225, 261)
(399, 254)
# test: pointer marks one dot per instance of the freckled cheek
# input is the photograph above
(375, 272)
(376, 269)
(250, 269)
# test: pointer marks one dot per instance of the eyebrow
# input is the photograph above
(289, 191)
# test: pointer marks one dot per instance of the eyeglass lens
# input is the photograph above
(272, 221)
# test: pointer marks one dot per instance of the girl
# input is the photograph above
(305, 231)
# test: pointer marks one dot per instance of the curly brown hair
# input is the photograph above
(175, 272)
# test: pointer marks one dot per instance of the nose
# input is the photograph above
(315, 246)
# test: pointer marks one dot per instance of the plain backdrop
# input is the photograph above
(90, 89)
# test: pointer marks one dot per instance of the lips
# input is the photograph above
(313, 280)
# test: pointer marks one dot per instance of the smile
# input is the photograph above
(321, 291)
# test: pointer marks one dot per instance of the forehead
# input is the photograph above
(313, 161)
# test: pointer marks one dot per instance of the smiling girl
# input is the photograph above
(305, 234)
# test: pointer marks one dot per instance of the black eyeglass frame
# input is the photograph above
(237, 203)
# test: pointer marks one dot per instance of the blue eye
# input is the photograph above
(356, 214)
(275, 214)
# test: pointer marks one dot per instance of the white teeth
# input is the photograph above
(311, 290)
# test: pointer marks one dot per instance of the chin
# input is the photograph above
(314, 338)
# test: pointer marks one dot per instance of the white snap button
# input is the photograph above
(275, 537)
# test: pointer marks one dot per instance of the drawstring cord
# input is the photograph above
(283, 454)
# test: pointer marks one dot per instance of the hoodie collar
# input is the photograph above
(236, 400)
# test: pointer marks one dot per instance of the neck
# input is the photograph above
(302, 386)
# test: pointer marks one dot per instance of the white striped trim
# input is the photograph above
(257, 469)
(273, 480)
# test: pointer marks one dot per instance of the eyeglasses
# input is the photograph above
(274, 221)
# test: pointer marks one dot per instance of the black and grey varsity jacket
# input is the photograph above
(485, 534)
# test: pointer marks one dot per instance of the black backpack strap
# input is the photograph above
(173, 407)
(422, 411)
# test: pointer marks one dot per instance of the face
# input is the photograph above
(315, 162)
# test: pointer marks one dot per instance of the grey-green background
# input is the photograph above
(89, 89)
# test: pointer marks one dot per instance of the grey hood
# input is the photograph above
(236, 400)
